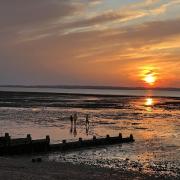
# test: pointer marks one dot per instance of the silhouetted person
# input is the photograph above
(71, 119)
(87, 124)
(75, 119)
(87, 119)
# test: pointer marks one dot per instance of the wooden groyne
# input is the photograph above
(10, 146)
(26, 145)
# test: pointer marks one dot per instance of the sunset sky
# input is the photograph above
(90, 42)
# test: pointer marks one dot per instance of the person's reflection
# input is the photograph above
(73, 125)
(75, 131)
(71, 128)
(87, 130)
(87, 124)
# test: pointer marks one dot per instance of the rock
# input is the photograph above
(39, 159)
(33, 160)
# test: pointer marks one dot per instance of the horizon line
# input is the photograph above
(93, 87)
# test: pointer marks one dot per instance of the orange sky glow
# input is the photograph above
(99, 42)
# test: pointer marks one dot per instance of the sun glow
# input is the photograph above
(149, 102)
(149, 75)
(150, 79)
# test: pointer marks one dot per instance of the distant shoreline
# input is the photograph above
(90, 87)
(6, 93)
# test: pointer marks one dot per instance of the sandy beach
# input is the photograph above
(154, 152)
(22, 168)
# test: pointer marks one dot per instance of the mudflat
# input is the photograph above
(22, 168)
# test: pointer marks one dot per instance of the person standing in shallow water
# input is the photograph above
(87, 124)
(71, 119)
(87, 119)
(75, 119)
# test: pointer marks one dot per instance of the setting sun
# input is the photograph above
(149, 74)
(150, 79)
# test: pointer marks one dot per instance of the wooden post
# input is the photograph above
(29, 143)
(7, 135)
(29, 139)
(107, 136)
(131, 137)
(120, 135)
(94, 138)
(47, 142)
(64, 141)
(64, 144)
(48, 139)
(7, 139)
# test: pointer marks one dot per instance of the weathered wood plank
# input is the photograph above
(26, 145)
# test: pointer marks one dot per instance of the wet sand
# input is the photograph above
(22, 168)
(39, 114)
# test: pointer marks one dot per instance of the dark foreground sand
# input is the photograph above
(23, 169)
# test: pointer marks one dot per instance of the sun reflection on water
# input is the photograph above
(149, 102)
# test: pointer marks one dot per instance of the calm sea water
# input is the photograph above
(127, 92)
(154, 122)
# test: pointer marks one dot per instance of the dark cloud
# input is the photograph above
(24, 12)
(155, 30)
(137, 35)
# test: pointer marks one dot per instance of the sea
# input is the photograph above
(152, 116)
